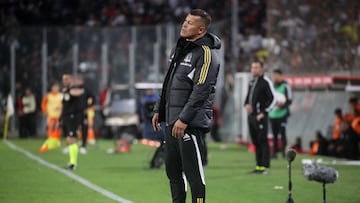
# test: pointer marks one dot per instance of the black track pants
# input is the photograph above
(258, 132)
(278, 126)
(183, 162)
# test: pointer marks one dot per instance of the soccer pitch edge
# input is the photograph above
(69, 174)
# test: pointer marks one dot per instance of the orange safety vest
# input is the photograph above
(355, 124)
(51, 104)
(337, 133)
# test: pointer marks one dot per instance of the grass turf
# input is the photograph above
(127, 175)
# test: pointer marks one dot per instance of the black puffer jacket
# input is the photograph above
(189, 87)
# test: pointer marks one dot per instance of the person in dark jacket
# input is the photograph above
(71, 116)
(259, 101)
(185, 105)
(87, 102)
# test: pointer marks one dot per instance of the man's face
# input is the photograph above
(256, 69)
(276, 77)
(66, 80)
(192, 27)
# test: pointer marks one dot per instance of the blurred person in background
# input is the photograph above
(51, 106)
(259, 101)
(87, 105)
(71, 115)
(148, 102)
(105, 99)
(20, 109)
(339, 118)
(354, 109)
(297, 146)
(348, 145)
(29, 110)
(319, 145)
(216, 123)
(185, 105)
(280, 113)
(335, 146)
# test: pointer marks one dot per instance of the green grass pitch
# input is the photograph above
(127, 175)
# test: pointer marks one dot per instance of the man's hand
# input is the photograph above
(155, 123)
(248, 108)
(259, 116)
(178, 130)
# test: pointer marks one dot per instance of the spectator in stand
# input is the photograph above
(355, 106)
(29, 110)
(336, 140)
(298, 145)
(339, 118)
(20, 109)
(347, 146)
(319, 145)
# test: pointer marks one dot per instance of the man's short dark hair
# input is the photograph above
(204, 16)
(278, 71)
(338, 111)
(259, 62)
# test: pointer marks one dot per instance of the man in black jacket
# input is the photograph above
(71, 116)
(258, 102)
(186, 105)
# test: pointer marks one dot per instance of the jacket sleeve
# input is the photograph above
(247, 96)
(206, 71)
(269, 95)
(288, 95)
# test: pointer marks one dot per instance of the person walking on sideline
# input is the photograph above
(71, 116)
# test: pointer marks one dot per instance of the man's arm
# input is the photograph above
(270, 95)
(288, 95)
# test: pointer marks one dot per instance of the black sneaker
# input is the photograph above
(71, 167)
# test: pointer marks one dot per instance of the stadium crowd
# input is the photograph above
(315, 36)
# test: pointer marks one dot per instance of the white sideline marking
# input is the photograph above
(71, 175)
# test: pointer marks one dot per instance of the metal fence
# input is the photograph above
(38, 56)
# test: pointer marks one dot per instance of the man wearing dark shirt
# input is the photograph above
(258, 102)
(71, 116)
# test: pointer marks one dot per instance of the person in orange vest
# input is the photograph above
(339, 118)
(318, 146)
(354, 109)
(355, 105)
(355, 124)
(51, 106)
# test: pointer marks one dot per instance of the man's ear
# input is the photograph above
(201, 30)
